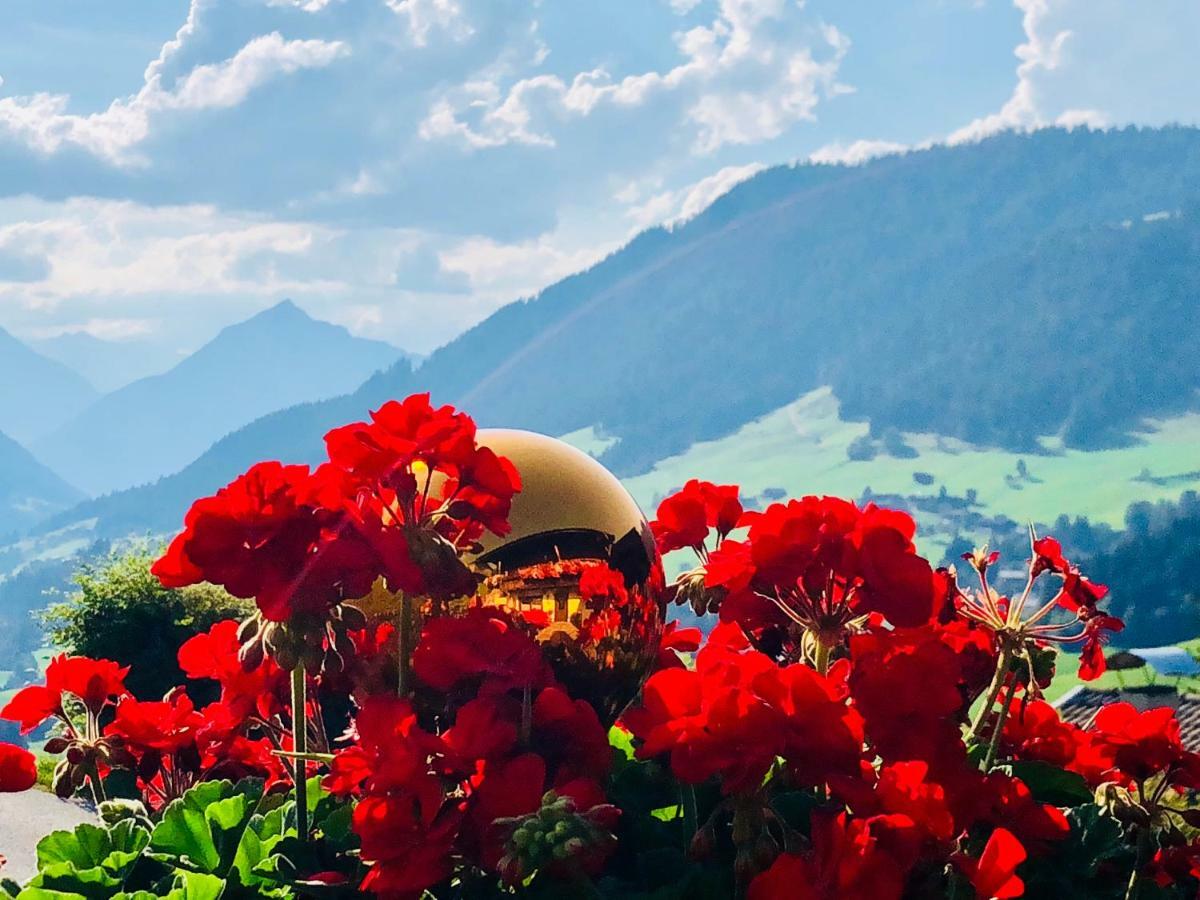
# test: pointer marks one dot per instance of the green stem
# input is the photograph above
(691, 816)
(994, 744)
(1001, 673)
(300, 746)
(1143, 853)
(821, 657)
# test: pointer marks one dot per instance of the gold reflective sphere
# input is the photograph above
(580, 567)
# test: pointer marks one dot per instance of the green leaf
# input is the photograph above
(621, 741)
(667, 813)
(201, 830)
(1050, 784)
(197, 886)
(38, 893)
(90, 861)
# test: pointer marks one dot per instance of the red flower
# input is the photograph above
(849, 861)
(994, 875)
(214, 654)
(821, 736)
(391, 752)
(1138, 744)
(266, 536)
(737, 712)
(1035, 731)
(569, 737)
(911, 687)
(164, 726)
(711, 722)
(819, 563)
(408, 836)
(1048, 557)
(685, 518)
(1092, 663)
(482, 646)
(676, 640)
(396, 456)
(18, 769)
(93, 681)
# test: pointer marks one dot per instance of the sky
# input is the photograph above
(405, 167)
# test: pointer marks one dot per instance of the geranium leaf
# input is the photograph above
(201, 830)
(1050, 784)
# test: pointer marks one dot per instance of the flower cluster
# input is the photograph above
(399, 499)
(855, 725)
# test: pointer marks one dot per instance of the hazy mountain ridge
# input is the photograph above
(157, 425)
(107, 365)
(37, 394)
(996, 292)
(29, 492)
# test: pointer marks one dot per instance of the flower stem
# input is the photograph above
(993, 745)
(821, 657)
(300, 746)
(1002, 664)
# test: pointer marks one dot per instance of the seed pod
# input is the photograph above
(275, 637)
(248, 629)
(251, 655)
(56, 745)
(287, 659)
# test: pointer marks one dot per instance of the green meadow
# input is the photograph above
(803, 449)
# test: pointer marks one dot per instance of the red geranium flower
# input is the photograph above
(214, 654)
(268, 537)
(408, 835)
(676, 640)
(912, 688)
(163, 726)
(92, 681)
(818, 563)
(685, 518)
(1138, 744)
(18, 769)
(994, 874)
(848, 861)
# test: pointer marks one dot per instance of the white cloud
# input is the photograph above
(745, 78)
(856, 152)
(43, 121)
(425, 16)
(683, 7)
(675, 207)
(1096, 63)
(113, 249)
(511, 270)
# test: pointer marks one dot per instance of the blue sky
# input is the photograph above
(404, 167)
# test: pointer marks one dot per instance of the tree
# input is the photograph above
(119, 611)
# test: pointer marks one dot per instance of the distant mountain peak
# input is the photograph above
(278, 357)
(285, 308)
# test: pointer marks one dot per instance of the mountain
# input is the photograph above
(29, 492)
(37, 394)
(157, 425)
(107, 365)
(995, 293)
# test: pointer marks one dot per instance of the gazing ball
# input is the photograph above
(579, 568)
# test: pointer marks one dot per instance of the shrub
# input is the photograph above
(120, 611)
